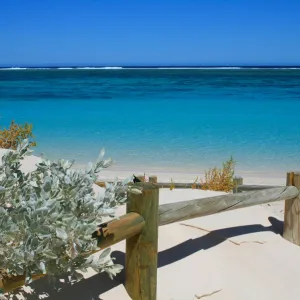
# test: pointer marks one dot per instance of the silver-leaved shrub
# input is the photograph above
(47, 216)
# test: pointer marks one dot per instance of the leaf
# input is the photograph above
(117, 268)
(28, 220)
(105, 253)
(101, 154)
(61, 234)
(47, 184)
(113, 270)
(33, 183)
(23, 145)
(127, 180)
(135, 191)
(67, 180)
(89, 167)
(107, 163)
(42, 267)
(49, 254)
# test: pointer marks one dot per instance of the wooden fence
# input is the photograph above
(139, 226)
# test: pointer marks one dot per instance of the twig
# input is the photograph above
(207, 295)
(222, 237)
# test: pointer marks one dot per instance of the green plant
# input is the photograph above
(219, 179)
(12, 137)
(48, 215)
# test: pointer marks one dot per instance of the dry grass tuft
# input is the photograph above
(10, 138)
(220, 179)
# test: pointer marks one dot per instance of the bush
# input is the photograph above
(219, 179)
(12, 137)
(47, 217)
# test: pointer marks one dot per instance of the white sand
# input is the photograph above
(253, 263)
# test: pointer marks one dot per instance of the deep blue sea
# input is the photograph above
(160, 119)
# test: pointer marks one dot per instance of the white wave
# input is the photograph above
(98, 68)
(219, 68)
(181, 68)
(13, 68)
(112, 68)
(152, 68)
(23, 68)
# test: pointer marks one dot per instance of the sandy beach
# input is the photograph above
(233, 255)
(202, 98)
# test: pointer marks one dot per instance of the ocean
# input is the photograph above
(171, 120)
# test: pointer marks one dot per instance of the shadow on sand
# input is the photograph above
(92, 287)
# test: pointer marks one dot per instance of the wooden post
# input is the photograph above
(291, 227)
(237, 181)
(153, 179)
(141, 249)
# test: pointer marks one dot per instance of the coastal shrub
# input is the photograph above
(216, 179)
(47, 217)
(12, 137)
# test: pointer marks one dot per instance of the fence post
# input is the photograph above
(141, 249)
(236, 182)
(291, 227)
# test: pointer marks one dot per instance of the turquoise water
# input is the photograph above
(161, 119)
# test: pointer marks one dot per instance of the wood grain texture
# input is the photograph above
(291, 227)
(185, 210)
(237, 181)
(251, 188)
(118, 230)
(141, 249)
(167, 185)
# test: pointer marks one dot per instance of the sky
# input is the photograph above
(149, 32)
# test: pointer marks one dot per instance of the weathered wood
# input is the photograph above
(176, 185)
(108, 234)
(249, 188)
(167, 185)
(237, 181)
(174, 212)
(120, 229)
(141, 250)
(188, 185)
(291, 227)
(10, 283)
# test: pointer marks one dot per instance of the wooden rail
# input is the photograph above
(161, 185)
(140, 227)
(185, 210)
(249, 188)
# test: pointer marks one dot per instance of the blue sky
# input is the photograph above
(153, 32)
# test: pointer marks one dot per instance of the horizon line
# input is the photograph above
(81, 66)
